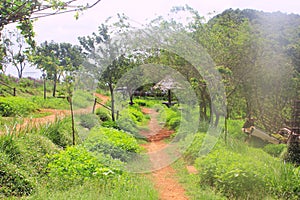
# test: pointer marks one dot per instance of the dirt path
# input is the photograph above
(55, 114)
(164, 178)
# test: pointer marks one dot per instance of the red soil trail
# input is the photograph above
(164, 178)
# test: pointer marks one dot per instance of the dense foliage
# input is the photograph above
(16, 106)
(116, 143)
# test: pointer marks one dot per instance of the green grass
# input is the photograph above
(51, 102)
(16, 106)
(191, 184)
(82, 99)
(128, 187)
(9, 123)
(239, 171)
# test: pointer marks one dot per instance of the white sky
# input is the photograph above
(64, 28)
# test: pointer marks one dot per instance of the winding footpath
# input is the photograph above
(164, 178)
(163, 175)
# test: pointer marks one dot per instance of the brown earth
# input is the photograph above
(163, 177)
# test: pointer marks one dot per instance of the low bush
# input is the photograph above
(128, 125)
(232, 174)
(134, 112)
(242, 172)
(50, 102)
(174, 123)
(16, 106)
(274, 149)
(82, 99)
(192, 152)
(23, 160)
(60, 132)
(103, 114)
(13, 180)
(171, 117)
(235, 129)
(89, 120)
(147, 103)
(75, 165)
(116, 143)
(110, 124)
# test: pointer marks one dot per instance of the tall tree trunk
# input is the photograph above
(111, 89)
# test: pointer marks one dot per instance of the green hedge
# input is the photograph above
(60, 132)
(241, 172)
(22, 161)
(76, 164)
(16, 106)
(115, 143)
(89, 120)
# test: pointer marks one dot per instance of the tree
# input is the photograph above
(16, 51)
(106, 60)
(24, 11)
(57, 60)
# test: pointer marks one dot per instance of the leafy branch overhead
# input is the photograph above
(24, 12)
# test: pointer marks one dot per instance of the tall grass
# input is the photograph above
(129, 187)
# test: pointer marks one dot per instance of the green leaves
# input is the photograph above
(116, 143)
(76, 164)
(16, 106)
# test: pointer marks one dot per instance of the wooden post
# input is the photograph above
(72, 117)
(117, 114)
(14, 94)
(169, 98)
(94, 106)
(45, 95)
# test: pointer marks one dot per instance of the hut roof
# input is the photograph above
(167, 83)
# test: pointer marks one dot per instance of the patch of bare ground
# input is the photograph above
(163, 176)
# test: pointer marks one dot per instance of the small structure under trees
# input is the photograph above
(167, 84)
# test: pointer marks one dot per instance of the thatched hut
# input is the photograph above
(167, 84)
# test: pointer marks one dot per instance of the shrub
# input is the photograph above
(110, 124)
(127, 125)
(235, 129)
(16, 106)
(60, 132)
(89, 120)
(82, 99)
(232, 174)
(13, 181)
(242, 172)
(9, 147)
(50, 102)
(103, 114)
(274, 149)
(174, 123)
(171, 116)
(115, 143)
(22, 161)
(192, 152)
(76, 164)
(33, 150)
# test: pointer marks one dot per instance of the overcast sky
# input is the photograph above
(64, 28)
